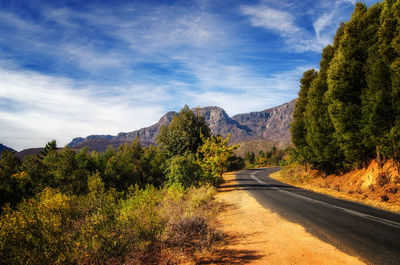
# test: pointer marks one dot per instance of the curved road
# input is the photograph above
(369, 233)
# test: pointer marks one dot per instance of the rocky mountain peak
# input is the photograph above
(269, 125)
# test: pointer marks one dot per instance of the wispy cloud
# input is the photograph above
(325, 15)
(96, 67)
(53, 108)
(269, 18)
(240, 90)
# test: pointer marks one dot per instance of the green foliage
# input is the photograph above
(102, 227)
(346, 81)
(213, 158)
(63, 172)
(153, 164)
(50, 147)
(184, 170)
(325, 153)
(249, 158)
(34, 232)
(123, 169)
(235, 163)
(67, 207)
(10, 180)
(298, 127)
(272, 157)
(349, 113)
(184, 134)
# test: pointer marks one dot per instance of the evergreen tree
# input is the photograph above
(346, 80)
(297, 127)
(50, 147)
(377, 113)
(326, 153)
(390, 49)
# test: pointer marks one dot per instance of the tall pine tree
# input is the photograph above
(327, 156)
(297, 127)
(377, 113)
(346, 80)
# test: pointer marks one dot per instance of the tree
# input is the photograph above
(326, 154)
(123, 169)
(377, 112)
(389, 34)
(184, 134)
(250, 157)
(63, 172)
(153, 164)
(50, 147)
(9, 188)
(213, 157)
(298, 127)
(346, 80)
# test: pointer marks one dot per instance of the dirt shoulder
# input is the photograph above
(259, 236)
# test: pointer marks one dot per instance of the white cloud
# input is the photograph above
(325, 15)
(52, 107)
(236, 89)
(269, 18)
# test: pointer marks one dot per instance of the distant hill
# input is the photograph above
(270, 125)
(3, 147)
(29, 151)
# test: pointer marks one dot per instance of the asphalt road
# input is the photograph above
(369, 233)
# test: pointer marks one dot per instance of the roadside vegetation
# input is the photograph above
(347, 118)
(261, 158)
(135, 205)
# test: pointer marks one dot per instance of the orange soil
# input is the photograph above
(258, 236)
(363, 185)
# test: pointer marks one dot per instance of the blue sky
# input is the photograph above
(74, 68)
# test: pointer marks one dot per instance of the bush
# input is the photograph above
(184, 170)
(192, 233)
(102, 226)
(35, 232)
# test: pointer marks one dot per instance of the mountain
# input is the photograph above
(270, 125)
(78, 140)
(3, 147)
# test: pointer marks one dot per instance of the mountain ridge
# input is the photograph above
(270, 125)
(3, 147)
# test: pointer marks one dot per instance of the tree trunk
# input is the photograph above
(378, 156)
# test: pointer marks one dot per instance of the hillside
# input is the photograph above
(3, 147)
(270, 125)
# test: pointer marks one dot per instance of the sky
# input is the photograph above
(76, 68)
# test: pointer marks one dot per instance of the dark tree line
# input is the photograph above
(348, 112)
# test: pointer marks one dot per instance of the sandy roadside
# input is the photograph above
(259, 236)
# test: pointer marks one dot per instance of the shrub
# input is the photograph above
(34, 233)
(184, 170)
(103, 227)
(192, 234)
